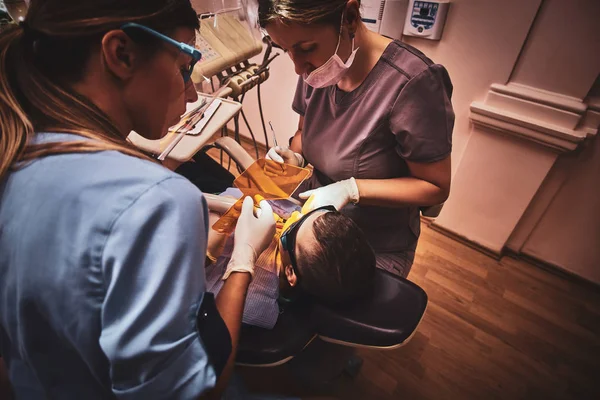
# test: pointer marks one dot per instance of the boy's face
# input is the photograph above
(305, 242)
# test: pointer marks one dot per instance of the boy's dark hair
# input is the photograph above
(341, 266)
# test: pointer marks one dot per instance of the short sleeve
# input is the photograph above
(422, 117)
(153, 266)
(300, 97)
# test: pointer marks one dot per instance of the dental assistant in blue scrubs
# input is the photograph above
(102, 250)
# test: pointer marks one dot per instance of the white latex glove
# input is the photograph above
(337, 194)
(252, 236)
(284, 155)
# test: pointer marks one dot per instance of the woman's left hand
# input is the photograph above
(337, 194)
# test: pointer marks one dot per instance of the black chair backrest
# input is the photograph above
(386, 317)
(263, 347)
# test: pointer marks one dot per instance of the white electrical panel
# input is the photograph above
(385, 17)
(426, 19)
(372, 13)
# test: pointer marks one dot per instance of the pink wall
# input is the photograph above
(568, 234)
(277, 94)
(562, 225)
(542, 63)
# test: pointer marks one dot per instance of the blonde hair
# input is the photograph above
(41, 56)
(303, 12)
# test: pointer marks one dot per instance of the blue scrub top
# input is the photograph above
(101, 275)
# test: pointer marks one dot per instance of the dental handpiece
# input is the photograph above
(273, 132)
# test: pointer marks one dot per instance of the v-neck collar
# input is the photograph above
(343, 99)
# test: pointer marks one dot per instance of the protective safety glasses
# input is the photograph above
(183, 47)
(288, 237)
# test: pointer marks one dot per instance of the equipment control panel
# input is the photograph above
(426, 19)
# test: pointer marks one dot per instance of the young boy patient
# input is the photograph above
(322, 254)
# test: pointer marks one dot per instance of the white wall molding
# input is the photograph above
(591, 120)
(549, 119)
(551, 136)
(540, 96)
(518, 133)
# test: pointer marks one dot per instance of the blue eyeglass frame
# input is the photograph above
(288, 238)
(183, 47)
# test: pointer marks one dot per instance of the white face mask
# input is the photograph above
(333, 70)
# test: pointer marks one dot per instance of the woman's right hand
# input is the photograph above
(252, 236)
(255, 231)
(285, 156)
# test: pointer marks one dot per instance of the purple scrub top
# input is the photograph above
(401, 112)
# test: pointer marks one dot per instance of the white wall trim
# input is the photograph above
(549, 119)
(591, 119)
(540, 96)
(551, 136)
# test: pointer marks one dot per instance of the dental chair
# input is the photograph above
(386, 318)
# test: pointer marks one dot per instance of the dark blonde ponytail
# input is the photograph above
(15, 126)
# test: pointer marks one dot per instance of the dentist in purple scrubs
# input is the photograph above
(375, 122)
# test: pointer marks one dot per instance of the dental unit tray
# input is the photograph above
(192, 143)
(193, 122)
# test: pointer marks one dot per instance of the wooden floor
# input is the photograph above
(493, 330)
